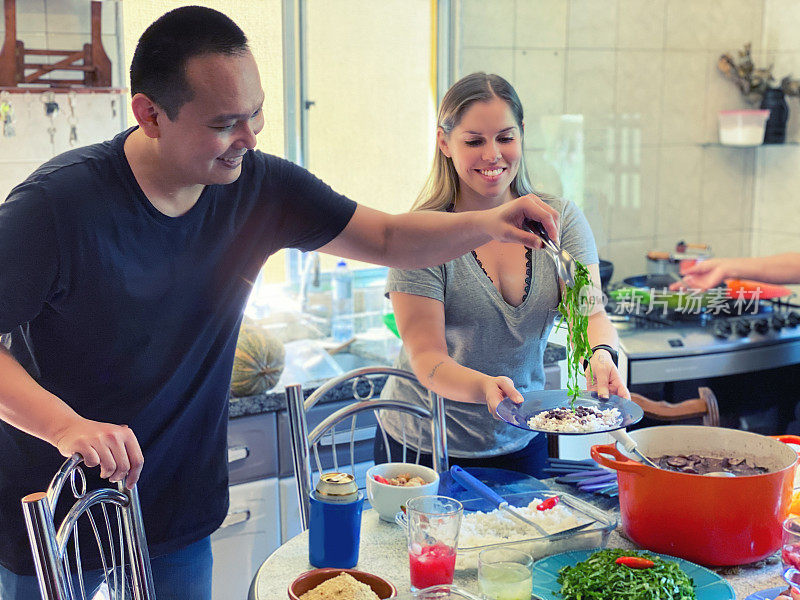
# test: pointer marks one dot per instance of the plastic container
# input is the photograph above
(742, 127)
(342, 322)
(596, 536)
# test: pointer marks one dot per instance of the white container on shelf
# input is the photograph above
(742, 127)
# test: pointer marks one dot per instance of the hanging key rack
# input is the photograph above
(19, 75)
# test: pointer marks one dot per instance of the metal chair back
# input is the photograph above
(364, 392)
(51, 545)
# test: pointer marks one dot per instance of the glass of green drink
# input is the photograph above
(505, 574)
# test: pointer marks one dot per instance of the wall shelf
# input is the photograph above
(718, 145)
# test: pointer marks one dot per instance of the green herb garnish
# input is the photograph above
(577, 321)
(600, 578)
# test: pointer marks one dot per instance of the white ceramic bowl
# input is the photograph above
(387, 499)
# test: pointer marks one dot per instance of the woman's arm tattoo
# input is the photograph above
(433, 371)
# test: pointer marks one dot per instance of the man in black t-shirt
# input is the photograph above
(124, 271)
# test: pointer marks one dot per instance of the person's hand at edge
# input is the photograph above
(703, 275)
(113, 447)
(605, 378)
(496, 389)
(512, 221)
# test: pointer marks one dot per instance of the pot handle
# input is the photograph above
(623, 463)
(788, 439)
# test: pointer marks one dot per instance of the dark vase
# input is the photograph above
(775, 102)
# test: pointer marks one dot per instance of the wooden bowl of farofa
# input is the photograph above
(311, 579)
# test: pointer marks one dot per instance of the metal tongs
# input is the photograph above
(565, 264)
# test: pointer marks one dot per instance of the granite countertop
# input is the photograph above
(274, 399)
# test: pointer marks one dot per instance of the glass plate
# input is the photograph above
(538, 545)
(707, 584)
(503, 482)
(540, 400)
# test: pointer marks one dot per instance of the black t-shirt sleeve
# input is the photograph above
(29, 256)
(311, 213)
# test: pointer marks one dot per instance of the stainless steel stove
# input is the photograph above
(666, 356)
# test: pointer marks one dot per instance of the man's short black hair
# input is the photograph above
(158, 68)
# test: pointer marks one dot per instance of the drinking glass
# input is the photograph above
(790, 551)
(433, 524)
(505, 574)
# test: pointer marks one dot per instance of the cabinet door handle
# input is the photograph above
(235, 517)
(237, 453)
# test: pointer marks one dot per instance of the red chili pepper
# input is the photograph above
(635, 562)
(380, 479)
(549, 503)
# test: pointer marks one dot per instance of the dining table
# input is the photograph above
(383, 552)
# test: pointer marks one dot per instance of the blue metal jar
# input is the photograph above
(334, 527)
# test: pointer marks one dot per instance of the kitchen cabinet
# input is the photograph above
(251, 531)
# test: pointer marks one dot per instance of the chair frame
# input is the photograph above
(49, 546)
(302, 440)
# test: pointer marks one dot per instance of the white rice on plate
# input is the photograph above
(583, 419)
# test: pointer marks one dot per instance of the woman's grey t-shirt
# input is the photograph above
(485, 333)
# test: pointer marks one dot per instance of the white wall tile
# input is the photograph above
(604, 131)
(732, 23)
(592, 24)
(713, 24)
(487, 24)
(768, 242)
(781, 24)
(639, 89)
(30, 18)
(632, 213)
(726, 202)
(544, 176)
(591, 77)
(679, 189)
(490, 60)
(558, 164)
(628, 256)
(726, 243)
(31, 142)
(13, 173)
(541, 24)
(641, 24)
(777, 207)
(539, 81)
(600, 190)
(687, 24)
(684, 92)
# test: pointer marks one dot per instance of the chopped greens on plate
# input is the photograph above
(601, 577)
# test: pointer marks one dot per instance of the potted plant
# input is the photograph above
(757, 84)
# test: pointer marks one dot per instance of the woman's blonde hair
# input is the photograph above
(442, 187)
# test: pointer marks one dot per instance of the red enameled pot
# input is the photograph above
(715, 521)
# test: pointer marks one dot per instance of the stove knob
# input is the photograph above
(794, 319)
(777, 322)
(743, 328)
(722, 329)
(761, 326)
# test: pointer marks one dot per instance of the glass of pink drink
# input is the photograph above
(433, 524)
